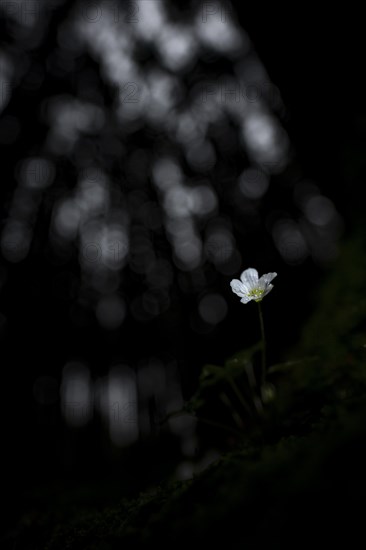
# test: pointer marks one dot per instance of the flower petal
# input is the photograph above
(268, 289)
(250, 277)
(246, 299)
(268, 277)
(238, 287)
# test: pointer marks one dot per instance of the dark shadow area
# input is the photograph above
(151, 153)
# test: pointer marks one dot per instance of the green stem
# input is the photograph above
(263, 373)
(238, 393)
(238, 420)
(253, 383)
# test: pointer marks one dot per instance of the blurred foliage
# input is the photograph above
(301, 474)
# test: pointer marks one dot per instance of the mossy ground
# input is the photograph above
(300, 480)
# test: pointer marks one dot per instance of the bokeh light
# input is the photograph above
(159, 163)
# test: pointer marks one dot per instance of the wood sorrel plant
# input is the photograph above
(234, 385)
(227, 396)
(251, 287)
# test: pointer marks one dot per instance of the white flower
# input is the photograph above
(250, 287)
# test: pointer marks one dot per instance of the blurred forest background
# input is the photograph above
(151, 151)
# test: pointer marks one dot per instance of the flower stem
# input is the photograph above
(263, 373)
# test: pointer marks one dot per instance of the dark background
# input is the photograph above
(316, 60)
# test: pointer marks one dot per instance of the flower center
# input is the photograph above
(256, 294)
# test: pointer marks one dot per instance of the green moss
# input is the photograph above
(257, 496)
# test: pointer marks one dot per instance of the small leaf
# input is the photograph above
(282, 367)
(237, 363)
(193, 405)
(211, 375)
